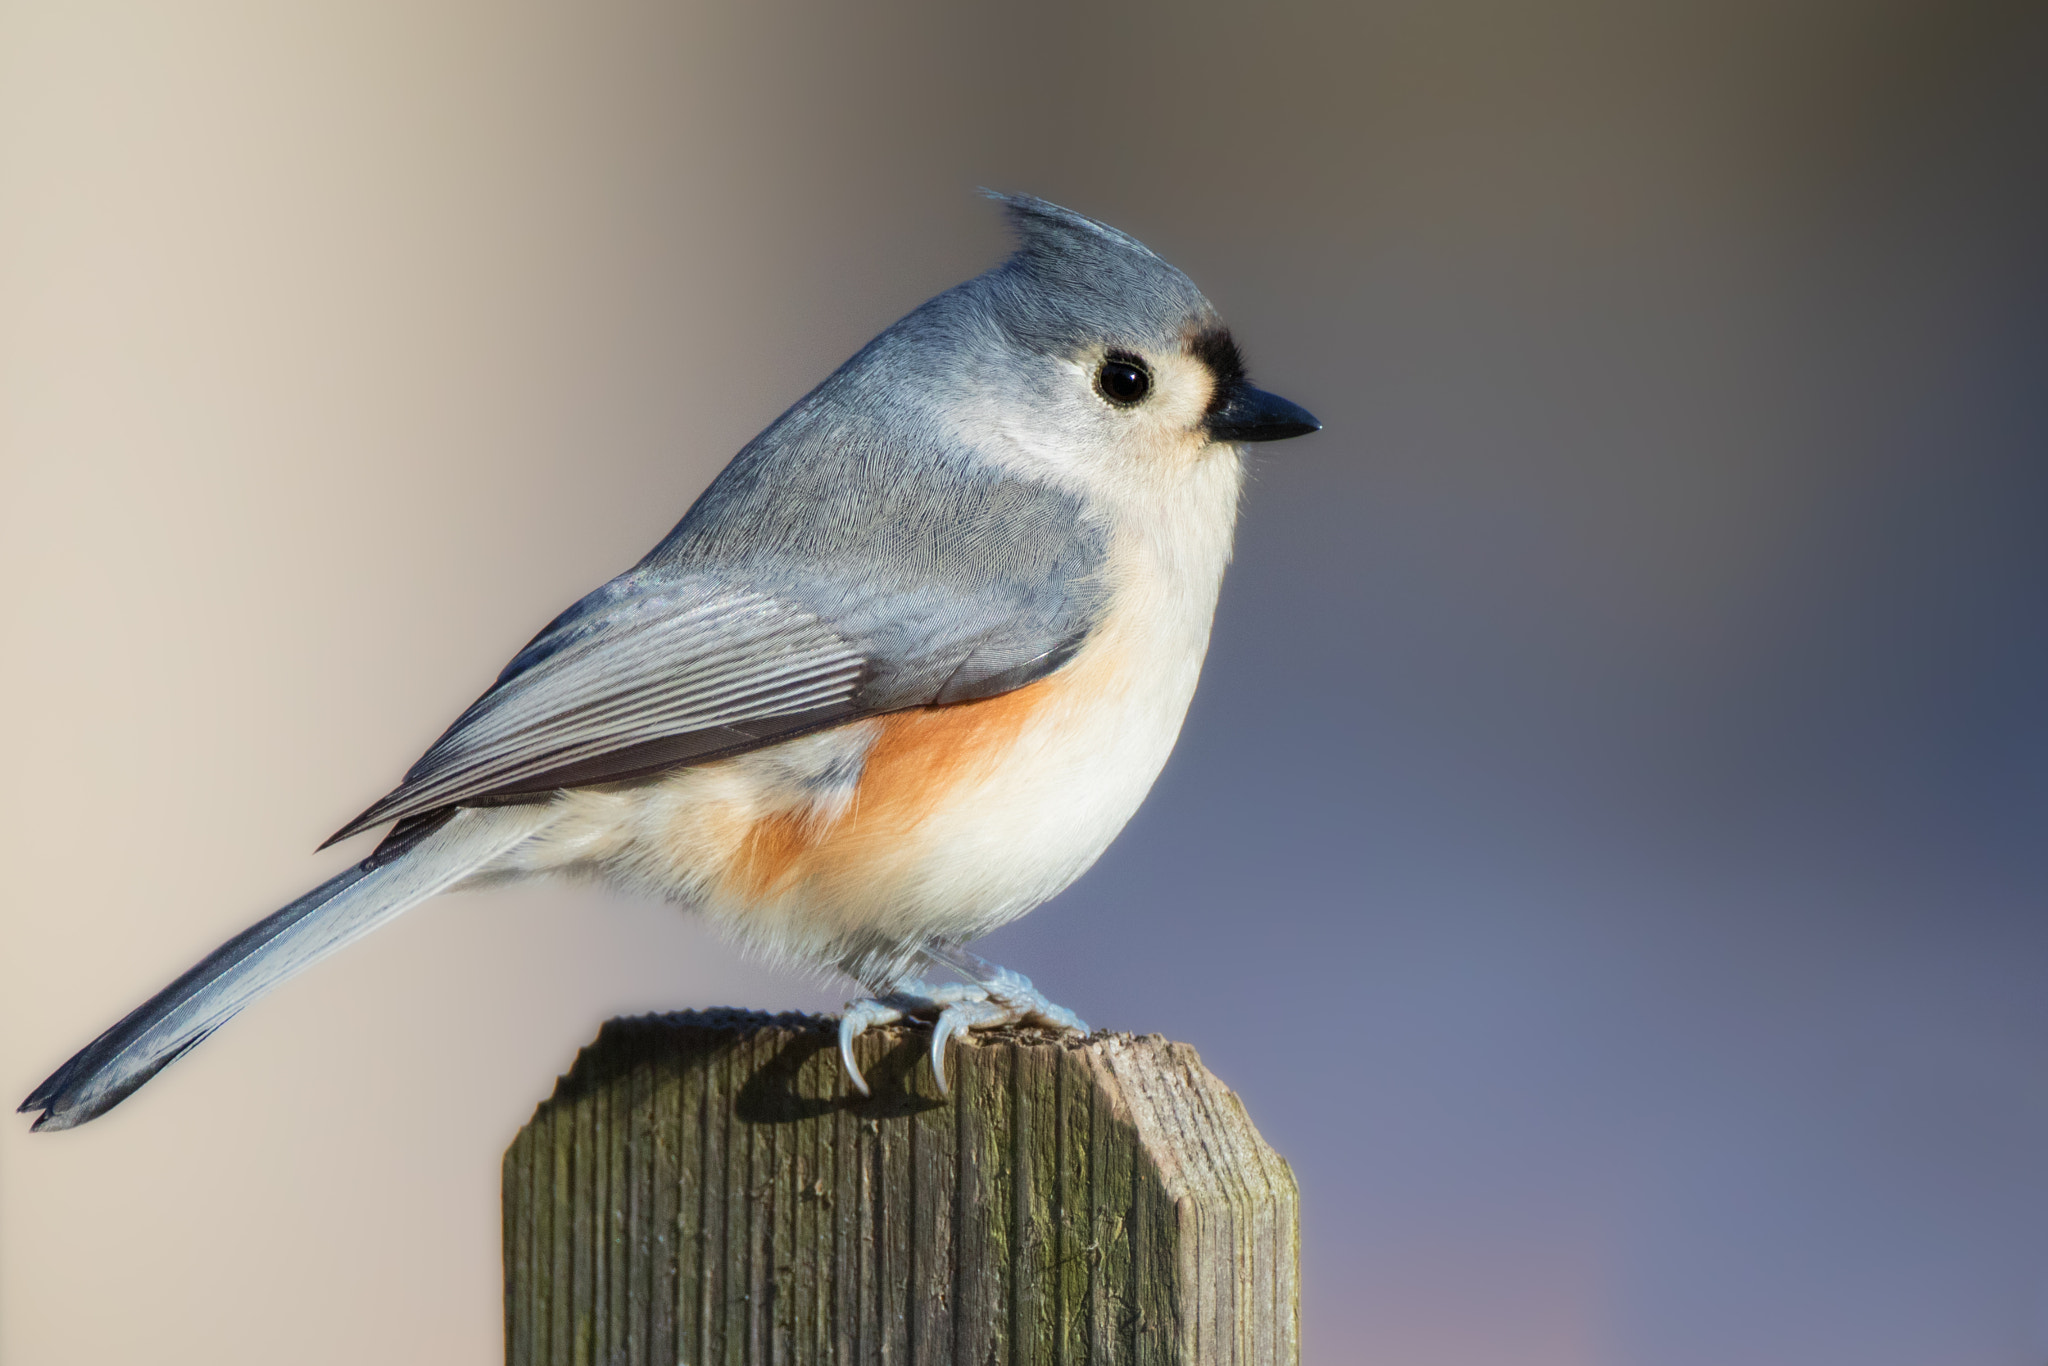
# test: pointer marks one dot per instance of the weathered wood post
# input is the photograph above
(708, 1188)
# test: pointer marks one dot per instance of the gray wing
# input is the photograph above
(856, 558)
(674, 664)
(636, 678)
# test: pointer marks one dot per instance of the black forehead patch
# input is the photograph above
(1214, 348)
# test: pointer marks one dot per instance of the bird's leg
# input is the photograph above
(1011, 990)
(992, 997)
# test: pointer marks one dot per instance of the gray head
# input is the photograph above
(1080, 291)
(1082, 352)
(1083, 364)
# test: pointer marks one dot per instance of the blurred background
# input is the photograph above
(1607, 851)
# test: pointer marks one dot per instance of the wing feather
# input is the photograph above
(627, 668)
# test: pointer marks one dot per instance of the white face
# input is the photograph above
(1112, 419)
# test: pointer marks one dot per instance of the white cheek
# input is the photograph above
(1058, 438)
(1070, 436)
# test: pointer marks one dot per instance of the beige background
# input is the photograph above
(1619, 729)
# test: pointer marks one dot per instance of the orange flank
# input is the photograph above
(917, 758)
(921, 755)
(770, 853)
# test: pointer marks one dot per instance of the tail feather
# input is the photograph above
(337, 912)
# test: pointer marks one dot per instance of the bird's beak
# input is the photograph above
(1249, 414)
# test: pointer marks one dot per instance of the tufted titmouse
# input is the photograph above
(900, 675)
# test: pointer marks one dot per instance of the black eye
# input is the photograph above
(1123, 380)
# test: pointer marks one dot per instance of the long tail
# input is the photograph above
(404, 871)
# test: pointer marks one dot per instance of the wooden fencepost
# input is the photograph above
(707, 1187)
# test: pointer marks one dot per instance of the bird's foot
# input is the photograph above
(997, 997)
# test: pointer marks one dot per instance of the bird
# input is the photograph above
(899, 675)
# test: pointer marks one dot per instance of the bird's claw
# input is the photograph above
(1003, 997)
(958, 1018)
(860, 1017)
(911, 997)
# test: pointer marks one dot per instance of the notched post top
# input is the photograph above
(706, 1186)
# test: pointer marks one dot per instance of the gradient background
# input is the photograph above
(1607, 852)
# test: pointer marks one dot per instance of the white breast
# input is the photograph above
(1081, 767)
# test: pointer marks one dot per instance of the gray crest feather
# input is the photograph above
(1074, 279)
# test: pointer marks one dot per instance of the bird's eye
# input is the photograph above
(1123, 380)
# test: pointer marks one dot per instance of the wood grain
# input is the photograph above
(706, 1188)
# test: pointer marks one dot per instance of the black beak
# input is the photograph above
(1249, 414)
